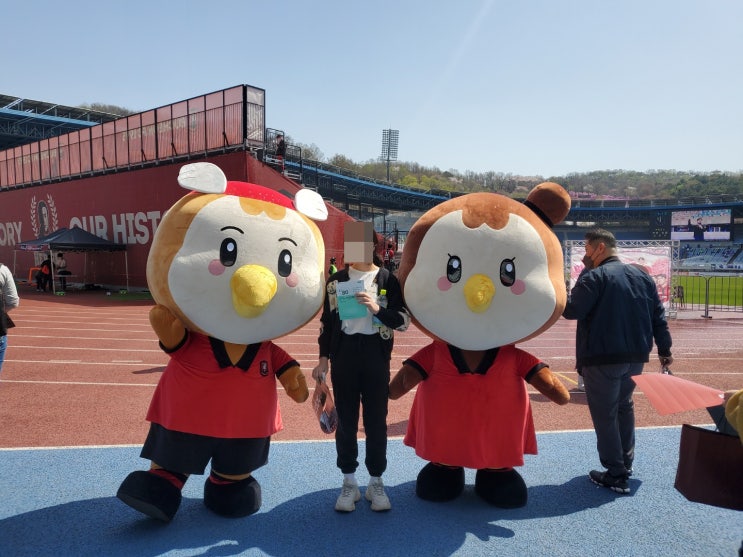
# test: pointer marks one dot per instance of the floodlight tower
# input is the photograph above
(389, 147)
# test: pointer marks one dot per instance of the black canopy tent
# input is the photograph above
(72, 240)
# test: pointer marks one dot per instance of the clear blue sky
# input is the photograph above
(532, 87)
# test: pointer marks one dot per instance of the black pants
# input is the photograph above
(189, 453)
(609, 391)
(43, 281)
(62, 276)
(360, 374)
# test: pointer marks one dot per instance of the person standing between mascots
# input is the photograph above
(619, 315)
(10, 300)
(360, 355)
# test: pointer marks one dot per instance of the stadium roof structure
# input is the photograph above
(24, 121)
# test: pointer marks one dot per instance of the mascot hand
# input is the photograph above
(295, 384)
(407, 378)
(167, 326)
(550, 386)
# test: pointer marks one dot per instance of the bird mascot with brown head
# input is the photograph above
(480, 273)
(232, 266)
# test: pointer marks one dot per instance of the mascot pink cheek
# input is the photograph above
(292, 280)
(215, 267)
(444, 284)
(518, 287)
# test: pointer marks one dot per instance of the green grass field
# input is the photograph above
(124, 296)
(723, 290)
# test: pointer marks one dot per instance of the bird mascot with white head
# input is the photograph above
(480, 273)
(232, 266)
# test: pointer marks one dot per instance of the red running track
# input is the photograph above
(80, 371)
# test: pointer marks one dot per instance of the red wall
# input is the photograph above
(125, 207)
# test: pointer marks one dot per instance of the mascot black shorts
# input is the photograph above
(188, 453)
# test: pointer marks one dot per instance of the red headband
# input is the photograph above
(261, 193)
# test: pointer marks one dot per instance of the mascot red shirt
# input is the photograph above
(203, 393)
(490, 399)
(480, 273)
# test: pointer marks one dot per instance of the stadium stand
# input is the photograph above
(703, 257)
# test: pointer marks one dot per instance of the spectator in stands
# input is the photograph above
(60, 266)
(280, 150)
(8, 301)
(698, 229)
(44, 276)
(619, 315)
(389, 258)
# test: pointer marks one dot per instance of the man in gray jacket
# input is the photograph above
(619, 315)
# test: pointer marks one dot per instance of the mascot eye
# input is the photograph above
(228, 252)
(507, 272)
(454, 269)
(285, 263)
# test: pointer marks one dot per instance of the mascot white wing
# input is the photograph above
(203, 177)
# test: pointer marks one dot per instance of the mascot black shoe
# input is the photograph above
(232, 499)
(501, 488)
(150, 494)
(439, 483)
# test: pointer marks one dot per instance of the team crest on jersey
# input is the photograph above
(44, 219)
(264, 368)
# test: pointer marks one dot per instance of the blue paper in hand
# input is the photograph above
(348, 306)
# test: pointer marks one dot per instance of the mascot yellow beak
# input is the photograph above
(253, 288)
(478, 293)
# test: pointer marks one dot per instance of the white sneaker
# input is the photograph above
(375, 493)
(346, 501)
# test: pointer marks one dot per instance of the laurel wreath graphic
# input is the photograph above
(34, 224)
(52, 213)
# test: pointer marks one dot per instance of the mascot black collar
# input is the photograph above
(482, 368)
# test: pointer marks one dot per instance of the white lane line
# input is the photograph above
(301, 441)
(278, 387)
(59, 448)
(86, 348)
(86, 383)
(82, 363)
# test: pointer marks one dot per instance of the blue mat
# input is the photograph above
(62, 502)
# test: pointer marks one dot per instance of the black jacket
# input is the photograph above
(619, 315)
(393, 316)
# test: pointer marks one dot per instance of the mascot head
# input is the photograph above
(484, 270)
(236, 261)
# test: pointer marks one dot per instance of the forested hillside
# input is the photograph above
(623, 184)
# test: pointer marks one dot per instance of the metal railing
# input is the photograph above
(707, 292)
